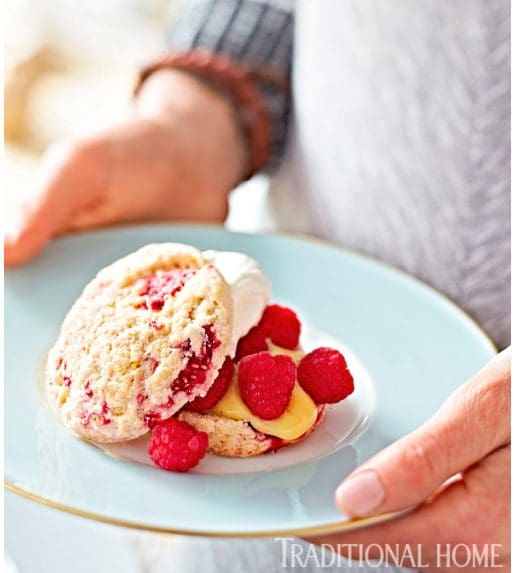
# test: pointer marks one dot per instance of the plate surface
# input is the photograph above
(416, 346)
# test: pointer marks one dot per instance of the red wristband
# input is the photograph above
(237, 81)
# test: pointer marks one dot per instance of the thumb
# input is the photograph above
(472, 423)
(31, 235)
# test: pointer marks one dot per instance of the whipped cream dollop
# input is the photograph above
(251, 290)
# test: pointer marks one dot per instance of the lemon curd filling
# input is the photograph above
(299, 417)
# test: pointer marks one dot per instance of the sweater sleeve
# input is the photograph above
(258, 33)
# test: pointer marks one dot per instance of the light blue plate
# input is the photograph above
(415, 344)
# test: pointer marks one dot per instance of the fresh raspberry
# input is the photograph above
(278, 323)
(281, 325)
(177, 446)
(266, 383)
(324, 375)
(253, 342)
(216, 391)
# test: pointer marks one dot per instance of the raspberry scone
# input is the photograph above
(146, 336)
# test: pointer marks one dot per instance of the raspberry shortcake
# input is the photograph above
(184, 346)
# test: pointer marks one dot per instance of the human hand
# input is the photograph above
(176, 158)
(470, 436)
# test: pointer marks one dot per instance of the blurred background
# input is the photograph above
(70, 67)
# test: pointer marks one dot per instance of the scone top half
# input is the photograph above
(145, 337)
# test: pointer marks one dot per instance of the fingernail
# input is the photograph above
(361, 493)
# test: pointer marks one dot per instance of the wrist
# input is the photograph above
(187, 105)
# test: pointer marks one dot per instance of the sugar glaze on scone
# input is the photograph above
(146, 336)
